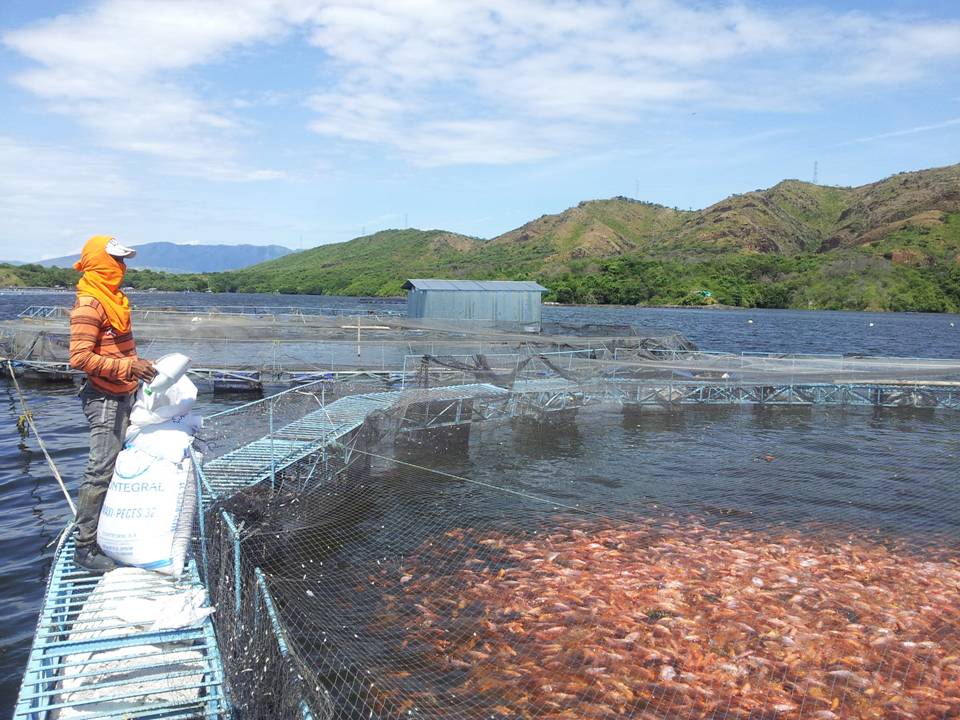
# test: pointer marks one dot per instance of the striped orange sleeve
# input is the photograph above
(86, 323)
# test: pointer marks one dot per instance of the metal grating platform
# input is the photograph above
(255, 461)
(944, 395)
(126, 671)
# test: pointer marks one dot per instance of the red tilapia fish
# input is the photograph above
(680, 620)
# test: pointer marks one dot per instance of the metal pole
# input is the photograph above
(274, 615)
(273, 459)
(236, 561)
(203, 531)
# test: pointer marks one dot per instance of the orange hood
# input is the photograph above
(102, 277)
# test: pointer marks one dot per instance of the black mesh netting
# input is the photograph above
(275, 341)
(600, 562)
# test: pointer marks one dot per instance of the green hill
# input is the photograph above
(789, 218)
(593, 229)
(889, 245)
(376, 264)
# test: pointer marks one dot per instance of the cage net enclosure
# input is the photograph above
(278, 342)
(598, 533)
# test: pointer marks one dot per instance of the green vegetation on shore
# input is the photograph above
(852, 281)
(891, 245)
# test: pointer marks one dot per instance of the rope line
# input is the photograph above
(471, 481)
(481, 483)
(28, 417)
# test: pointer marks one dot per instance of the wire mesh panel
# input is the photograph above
(564, 553)
(281, 343)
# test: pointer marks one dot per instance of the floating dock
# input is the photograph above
(184, 670)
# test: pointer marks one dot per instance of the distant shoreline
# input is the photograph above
(34, 288)
(714, 307)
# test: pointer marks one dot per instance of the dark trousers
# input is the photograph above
(108, 416)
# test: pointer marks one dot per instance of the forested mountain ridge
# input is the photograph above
(888, 245)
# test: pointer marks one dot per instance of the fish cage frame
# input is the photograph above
(263, 349)
(446, 402)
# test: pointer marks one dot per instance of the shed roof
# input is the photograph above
(475, 285)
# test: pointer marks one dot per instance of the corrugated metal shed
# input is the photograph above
(488, 285)
(494, 302)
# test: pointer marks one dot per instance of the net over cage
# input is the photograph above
(580, 536)
(290, 340)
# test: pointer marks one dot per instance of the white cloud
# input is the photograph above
(56, 176)
(459, 81)
(907, 131)
(52, 198)
(114, 67)
(54, 190)
(457, 142)
(543, 77)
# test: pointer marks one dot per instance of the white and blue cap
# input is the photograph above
(119, 251)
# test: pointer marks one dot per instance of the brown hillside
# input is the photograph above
(454, 241)
(597, 228)
(883, 207)
(788, 218)
(791, 217)
(910, 219)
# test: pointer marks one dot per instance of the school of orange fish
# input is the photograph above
(676, 619)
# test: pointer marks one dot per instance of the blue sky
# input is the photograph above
(305, 122)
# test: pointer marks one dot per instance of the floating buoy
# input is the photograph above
(749, 322)
(871, 324)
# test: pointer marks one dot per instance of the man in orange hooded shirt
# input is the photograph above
(102, 345)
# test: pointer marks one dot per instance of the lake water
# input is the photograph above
(910, 447)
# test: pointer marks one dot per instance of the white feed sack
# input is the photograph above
(154, 406)
(147, 516)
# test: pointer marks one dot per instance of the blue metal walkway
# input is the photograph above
(88, 662)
